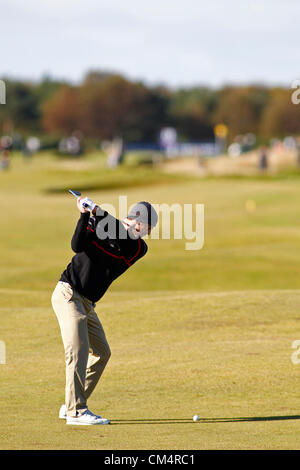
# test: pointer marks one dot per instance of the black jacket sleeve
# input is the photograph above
(80, 236)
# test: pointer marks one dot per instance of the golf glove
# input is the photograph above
(87, 204)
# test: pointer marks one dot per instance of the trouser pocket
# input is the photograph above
(67, 291)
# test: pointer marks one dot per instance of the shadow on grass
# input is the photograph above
(108, 186)
(121, 182)
(202, 420)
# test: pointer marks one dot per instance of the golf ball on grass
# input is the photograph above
(196, 418)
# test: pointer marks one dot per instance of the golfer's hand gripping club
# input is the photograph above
(87, 204)
(83, 203)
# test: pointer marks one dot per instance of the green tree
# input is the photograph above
(280, 117)
(190, 112)
(21, 111)
(61, 113)
(238, 109)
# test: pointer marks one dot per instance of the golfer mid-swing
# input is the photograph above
(105, 248)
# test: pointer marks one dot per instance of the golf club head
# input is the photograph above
(75, 193)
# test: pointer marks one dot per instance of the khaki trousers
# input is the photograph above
(85, 344)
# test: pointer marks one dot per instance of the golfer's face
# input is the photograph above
(138, 229)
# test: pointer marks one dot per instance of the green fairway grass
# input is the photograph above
(205, 332)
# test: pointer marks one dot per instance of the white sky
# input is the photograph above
(175, 42)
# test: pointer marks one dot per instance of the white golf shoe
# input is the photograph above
(62, 412)
(86, 419)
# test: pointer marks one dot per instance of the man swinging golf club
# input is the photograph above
(105, 248)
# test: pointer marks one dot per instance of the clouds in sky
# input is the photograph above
(173, 42)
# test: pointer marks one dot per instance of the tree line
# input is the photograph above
(105, 105)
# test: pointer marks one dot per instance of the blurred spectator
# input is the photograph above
(78, 135)
(5, 159)
(298, 151)
(72, 145)
(168, 140)
(115, 153)
(263, 159)
(31, 146)
(5, 147)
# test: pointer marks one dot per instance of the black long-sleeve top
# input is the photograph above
(98, 260)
